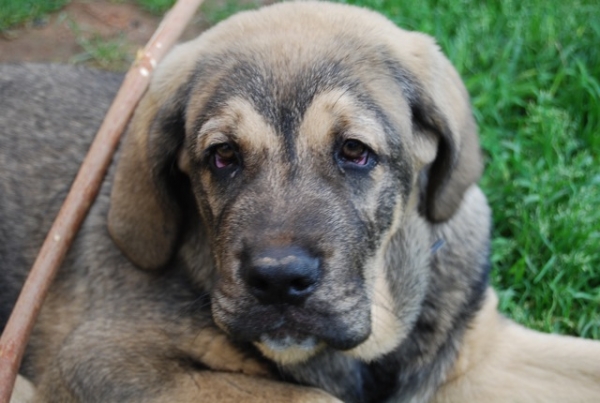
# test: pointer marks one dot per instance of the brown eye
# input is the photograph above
(224, 156)
(355, 152)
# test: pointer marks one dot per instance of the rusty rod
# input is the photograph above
(83, 192)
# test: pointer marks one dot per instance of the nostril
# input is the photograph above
(301, 284)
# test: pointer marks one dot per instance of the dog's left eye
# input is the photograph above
(354, 152)
(224, 156)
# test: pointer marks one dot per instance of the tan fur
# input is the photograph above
(501, 361)
(238, 117)
(134, 194)
(236, 388)
(498, 361)
(214, 349)
(23, 391)
(387, 330)
(335, 110)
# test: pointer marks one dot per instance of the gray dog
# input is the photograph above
(293, 216)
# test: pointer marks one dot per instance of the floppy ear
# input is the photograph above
(145, 213)
(440, 107)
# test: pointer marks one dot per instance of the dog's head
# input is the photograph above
(295, 141)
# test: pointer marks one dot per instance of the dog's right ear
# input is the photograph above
(145, 214)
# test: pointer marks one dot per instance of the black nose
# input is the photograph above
(281, 275)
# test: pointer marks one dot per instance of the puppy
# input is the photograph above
(293, 216)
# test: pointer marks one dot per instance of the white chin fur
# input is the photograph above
(288, 350)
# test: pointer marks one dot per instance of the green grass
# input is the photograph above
(533, 70)
(109, 54)
(156, 6)
(14, 12)
(213, 11)
(217, 10)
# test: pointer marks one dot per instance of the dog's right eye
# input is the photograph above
(223, 156)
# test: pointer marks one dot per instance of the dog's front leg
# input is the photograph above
(114, 361)
(207, 386)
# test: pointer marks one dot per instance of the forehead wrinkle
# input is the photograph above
(280, 86)
(298, 84)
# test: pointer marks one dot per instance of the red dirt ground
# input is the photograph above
(55, 38)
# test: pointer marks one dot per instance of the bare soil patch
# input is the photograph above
(82, 30)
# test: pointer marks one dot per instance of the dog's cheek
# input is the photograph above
(381, 202)
(387, 207)
(211, 199)
(387, 330)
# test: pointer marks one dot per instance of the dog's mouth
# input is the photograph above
(291, 301)
(291, 334)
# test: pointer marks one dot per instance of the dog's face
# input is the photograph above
(306, 134)
(296, 174)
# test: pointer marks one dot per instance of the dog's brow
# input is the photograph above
(240, 122)
(339, 113)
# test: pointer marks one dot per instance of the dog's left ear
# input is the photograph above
(440, 109)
